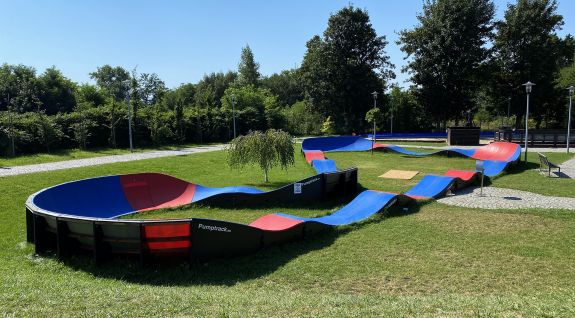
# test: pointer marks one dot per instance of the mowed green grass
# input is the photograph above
(433, 260)
(71, 154)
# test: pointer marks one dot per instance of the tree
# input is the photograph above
(340, 70)
(113, 80)
(90, 94)
(210, 90)
(57, 92)
(151, 88)
(256, 108)
(286, 85)
(82, 126)
(265, 149)
(375, 115)
(327, 127)
(447, 50)
(408, 114)
(301, 120)
(527, 48)
(248, 69)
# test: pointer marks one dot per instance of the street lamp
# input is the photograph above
(234, 113)
(373, 118)
(528, 87)
(571, 91)
(129, 90)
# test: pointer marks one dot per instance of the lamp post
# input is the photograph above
(129, 115)
(571, 91)
(374, 108)
(528, 87)
(234, 113)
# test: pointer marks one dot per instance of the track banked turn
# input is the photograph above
(83, 215)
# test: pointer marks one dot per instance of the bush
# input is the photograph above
(265, 149)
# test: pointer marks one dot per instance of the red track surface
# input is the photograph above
(461, 174)
(500, 151)
(150, 191)
(314, 155)
(272, 222)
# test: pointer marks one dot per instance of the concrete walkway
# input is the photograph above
(77, 163)
(501, 198)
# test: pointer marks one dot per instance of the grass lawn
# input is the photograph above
(434, 260)
(71, 154)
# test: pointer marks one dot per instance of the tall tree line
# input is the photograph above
(460, 59)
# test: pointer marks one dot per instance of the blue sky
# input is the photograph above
(182, 40)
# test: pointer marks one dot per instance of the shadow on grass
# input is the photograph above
(227, 272)
(218, 272)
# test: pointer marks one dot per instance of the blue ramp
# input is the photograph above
(325, 165)
(430, 186)
(362, 207)
(343, 143)
(206, 192)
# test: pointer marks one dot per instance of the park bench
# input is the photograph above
(545, 164)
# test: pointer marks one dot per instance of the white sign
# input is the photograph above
(297, 188)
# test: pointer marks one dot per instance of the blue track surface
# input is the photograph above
(483, 134)
(98, 197)
(363, 206)
(356, 143)
(431, 186)
(105, 197)
(205, 192)
(325, 165)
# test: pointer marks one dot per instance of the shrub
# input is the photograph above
(265, 149)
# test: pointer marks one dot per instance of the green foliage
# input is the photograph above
(300, 120)
(47, 130)
(447, 49)
(327, 127)
(210, 90)
(248, 69)
(256, 108)
(57, 92)
(375, 115)
(528, 49)
(286, 86)
(113, 80)
(264, 149)
(408, 114)
(340, 70)
(159, 124)
(81, 131)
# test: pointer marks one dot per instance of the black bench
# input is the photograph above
(545, 164)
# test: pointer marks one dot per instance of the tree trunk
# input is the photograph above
(266, 176)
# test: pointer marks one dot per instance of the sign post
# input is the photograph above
(479, 166)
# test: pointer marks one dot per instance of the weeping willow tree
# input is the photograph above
(264, 149)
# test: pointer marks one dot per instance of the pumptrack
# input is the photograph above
(83, 216)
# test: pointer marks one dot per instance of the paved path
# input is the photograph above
(500, 198)
(77, 163)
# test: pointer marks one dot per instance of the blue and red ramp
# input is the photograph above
(496, 155)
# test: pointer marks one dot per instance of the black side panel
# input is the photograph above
(279, 237)
(44, 233)
(314, 188)
(120, 238)
(211, 239)
(29, 226)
